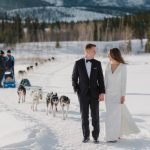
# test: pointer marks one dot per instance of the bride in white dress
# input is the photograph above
(118, 119)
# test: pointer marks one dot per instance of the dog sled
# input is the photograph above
(9, 80)
(25, 82)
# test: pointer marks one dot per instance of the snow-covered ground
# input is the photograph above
(55, 13)
(22, 129)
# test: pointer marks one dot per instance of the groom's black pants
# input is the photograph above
(86, 102)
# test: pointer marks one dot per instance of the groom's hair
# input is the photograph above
(89, 46)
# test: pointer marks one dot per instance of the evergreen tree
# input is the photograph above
(147, 48)
(17, 28)
(95, 31)
(129, 46)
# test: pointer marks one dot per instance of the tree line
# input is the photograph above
(135, 26)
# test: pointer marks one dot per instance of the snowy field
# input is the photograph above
(23, 129)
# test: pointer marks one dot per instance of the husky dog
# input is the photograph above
(36, 64)
(28, 69)
(64, 102)
(54, 103)
(31, 68)
(41, 94)
(35, 94)
(22, 73)
(48, 101)
(53, 58)
(21, 93)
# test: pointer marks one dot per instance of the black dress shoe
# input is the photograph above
(96, 141)
(85, 140)
(112, 141)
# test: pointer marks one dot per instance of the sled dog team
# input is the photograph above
(52, 100)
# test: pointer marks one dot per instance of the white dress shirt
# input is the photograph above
(88, 66)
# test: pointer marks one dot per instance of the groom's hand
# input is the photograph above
(101, 97)
(122, 99)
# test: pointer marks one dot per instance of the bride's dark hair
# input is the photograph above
(116, 55)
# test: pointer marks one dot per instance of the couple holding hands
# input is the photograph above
(91, 87)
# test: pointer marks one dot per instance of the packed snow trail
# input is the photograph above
(37, 131)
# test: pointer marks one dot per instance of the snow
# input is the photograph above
(137, 2)
(54, 13)
(10, 133)
(21, 128)
(55, 2)
(106, 2)
(60, 11)
(118, 3)
(28, 50)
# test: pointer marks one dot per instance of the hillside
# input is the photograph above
(72, 10)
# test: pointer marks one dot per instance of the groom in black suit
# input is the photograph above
(88, 82)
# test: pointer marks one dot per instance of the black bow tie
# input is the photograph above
(89, 60)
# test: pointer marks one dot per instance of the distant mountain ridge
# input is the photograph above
(71, 10)
(116, 3)
(15, 4)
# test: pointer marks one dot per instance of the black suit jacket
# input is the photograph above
(82, 83)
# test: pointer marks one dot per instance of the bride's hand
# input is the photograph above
(101, 97)
(122, 99)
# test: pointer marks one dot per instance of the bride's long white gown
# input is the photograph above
(118, 119)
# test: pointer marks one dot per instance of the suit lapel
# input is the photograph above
(84, 68)
(92, 69)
